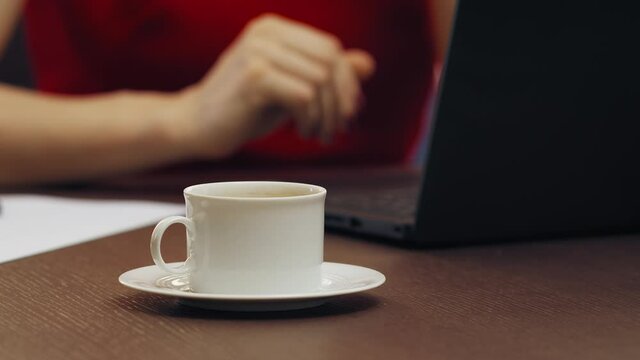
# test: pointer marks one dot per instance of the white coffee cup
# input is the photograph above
(250, 237)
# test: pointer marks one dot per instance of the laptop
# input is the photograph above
(535, 133)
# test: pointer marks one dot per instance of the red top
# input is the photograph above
(81, 47)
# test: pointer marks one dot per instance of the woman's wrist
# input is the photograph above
(165, 119)
(187, 128)
(176, 114)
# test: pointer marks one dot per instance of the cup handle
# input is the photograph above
(156, 239)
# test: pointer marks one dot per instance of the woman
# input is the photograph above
(127, 85)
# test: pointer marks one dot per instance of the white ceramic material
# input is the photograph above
(336, 279)
(250, 237)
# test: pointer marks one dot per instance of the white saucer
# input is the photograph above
(337, 279)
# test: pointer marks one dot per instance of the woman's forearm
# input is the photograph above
(45, 138)
(253, 87)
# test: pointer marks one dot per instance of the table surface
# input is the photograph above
(560, 299)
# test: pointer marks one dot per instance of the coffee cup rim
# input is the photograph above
(319, 191)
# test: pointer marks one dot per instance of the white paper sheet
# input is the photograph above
(32, 224)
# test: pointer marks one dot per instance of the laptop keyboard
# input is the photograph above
(394, 202)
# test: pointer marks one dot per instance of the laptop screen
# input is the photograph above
(537, 123)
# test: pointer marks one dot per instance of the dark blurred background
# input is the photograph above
(14, 65)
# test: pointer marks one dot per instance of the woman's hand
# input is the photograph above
(276, 68)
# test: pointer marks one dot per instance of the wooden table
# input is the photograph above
(561, 299)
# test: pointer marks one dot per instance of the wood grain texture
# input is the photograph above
(566, 299)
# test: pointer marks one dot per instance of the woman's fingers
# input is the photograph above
(302, 56)
(329, 108)
(361, 62)
(289, 61)
(288, 91)
(351, 69)
(347, 88)
(303, 38)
